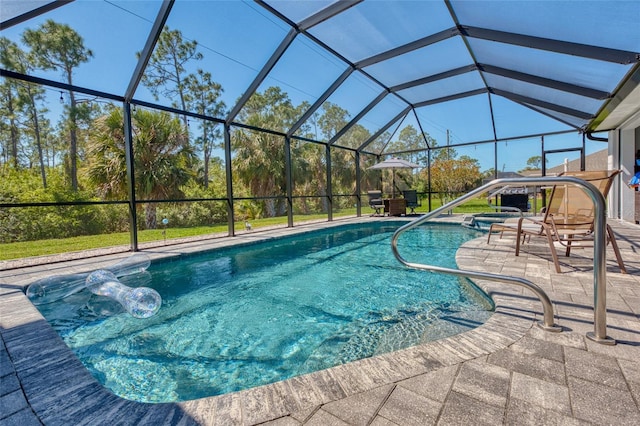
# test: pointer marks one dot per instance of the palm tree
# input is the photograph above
(163, 158)
(259, 164)
(259, 161)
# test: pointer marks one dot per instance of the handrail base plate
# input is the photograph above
(609, 341)
(552, 328)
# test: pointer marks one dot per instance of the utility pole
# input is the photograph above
(448, 149)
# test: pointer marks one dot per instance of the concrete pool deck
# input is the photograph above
(507, 371)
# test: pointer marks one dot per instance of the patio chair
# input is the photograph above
(376, 202)
(511, 225)
(411, 197)
(569, 217)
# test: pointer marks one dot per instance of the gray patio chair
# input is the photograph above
(376, 202)
(411, 196)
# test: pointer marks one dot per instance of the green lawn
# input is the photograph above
(63, 245)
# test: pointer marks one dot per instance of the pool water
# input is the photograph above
(236, 318)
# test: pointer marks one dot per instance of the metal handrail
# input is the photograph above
(507, 209)
(599, 255)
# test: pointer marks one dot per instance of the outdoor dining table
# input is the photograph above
(395, 206)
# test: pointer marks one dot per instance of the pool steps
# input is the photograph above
(599, 334)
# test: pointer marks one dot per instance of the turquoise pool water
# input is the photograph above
(237, 318)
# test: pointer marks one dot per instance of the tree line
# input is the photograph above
(82, 156)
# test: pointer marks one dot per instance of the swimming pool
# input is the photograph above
(240, 317)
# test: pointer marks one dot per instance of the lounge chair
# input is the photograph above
(411, 197)
(511, 225)
(569, 217)
(376, 202)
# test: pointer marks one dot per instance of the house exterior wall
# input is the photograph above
(623, 145)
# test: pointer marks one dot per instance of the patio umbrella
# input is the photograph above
(393, 164)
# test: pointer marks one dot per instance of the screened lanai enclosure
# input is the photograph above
(142, 121)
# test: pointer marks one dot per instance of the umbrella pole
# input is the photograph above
(393, 182)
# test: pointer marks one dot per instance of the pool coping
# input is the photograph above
(60, 390)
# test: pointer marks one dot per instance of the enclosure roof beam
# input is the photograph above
(147, 51)
(434, 77)
(33, 13)
(384, 128)
(422, 132)
(547, 82)
(286, 42)
(320, 100)
(546, 113)
(357, 118)
(409, 47)
(472, 53)
(568, 48)
(543, 104)
(451, 97)
(59, 85)
(327, 13)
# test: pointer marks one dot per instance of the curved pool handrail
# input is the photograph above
(599, 266)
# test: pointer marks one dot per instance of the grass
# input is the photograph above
(63, 245)
(88, 242)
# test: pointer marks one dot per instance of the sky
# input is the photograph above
(237, 38)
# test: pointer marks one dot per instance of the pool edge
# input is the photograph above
(79, 398)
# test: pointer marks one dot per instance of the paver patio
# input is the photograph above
(507, 371)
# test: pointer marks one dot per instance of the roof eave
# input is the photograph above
(624, 104)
